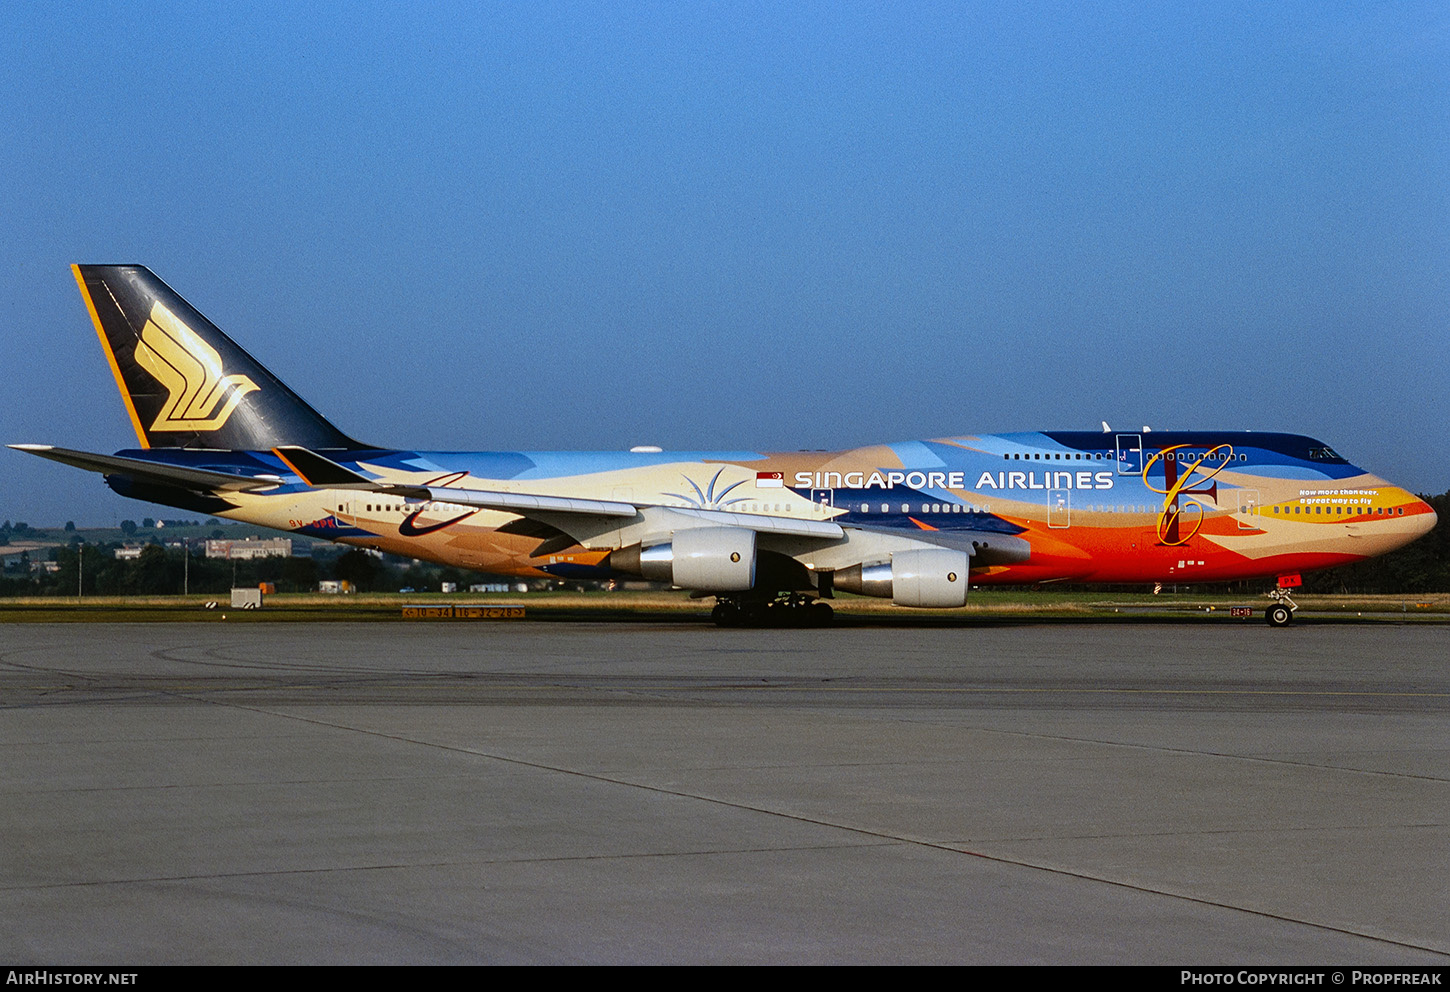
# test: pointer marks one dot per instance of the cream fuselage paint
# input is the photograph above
(1114, 524)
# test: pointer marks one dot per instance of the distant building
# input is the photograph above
(130, 552)
(251, 547)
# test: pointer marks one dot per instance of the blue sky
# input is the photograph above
(770, 226)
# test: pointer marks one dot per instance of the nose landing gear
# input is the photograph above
(1281, 612)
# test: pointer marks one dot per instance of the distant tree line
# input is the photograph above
(129, 527)
(162, 571)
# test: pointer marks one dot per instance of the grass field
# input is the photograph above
(678, 606)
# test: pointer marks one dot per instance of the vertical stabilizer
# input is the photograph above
(184, 382)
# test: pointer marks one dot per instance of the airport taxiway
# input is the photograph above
(541, 792)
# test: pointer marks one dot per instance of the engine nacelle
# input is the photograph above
(932, 577)
(710, 559)
(935, 578)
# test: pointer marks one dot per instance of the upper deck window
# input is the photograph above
(1324, 455)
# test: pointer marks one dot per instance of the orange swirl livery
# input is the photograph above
(771, 536)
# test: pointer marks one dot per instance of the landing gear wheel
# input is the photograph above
(795, 611)
(756, 613)
(1278, 615)
(726, 614)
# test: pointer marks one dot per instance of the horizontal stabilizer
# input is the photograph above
(195, 479)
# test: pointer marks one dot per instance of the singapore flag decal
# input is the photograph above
(769, 480)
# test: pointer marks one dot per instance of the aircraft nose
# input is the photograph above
(1423, 517)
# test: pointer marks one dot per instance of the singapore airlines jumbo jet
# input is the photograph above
(768, 535)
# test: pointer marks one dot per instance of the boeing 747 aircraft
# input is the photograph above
(769, 535)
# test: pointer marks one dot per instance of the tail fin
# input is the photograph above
(185, 383)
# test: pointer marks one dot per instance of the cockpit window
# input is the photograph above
(1324, 455)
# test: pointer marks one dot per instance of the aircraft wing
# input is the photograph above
(764, 525)
(526, 504)
(159, 473)
(322, 472)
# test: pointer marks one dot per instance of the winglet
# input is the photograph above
(316, 470)
(321, 472)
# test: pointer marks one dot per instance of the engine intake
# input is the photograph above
(710, 559)
(935, 578)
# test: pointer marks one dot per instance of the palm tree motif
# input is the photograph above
(707, 498)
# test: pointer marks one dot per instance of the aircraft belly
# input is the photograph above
(480, 549)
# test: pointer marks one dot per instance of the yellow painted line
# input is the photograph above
(295, 470)
(110, 356)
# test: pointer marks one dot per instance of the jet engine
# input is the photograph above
(710, 559)
(928, 577)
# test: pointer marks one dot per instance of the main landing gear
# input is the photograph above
(788, 611)
(1281, 612)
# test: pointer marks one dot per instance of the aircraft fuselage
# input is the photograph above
(1142, 507)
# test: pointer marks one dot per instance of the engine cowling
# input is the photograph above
(934, 578)
(710, 559)
(931, 577)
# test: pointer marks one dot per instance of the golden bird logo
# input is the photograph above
(191, 371)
